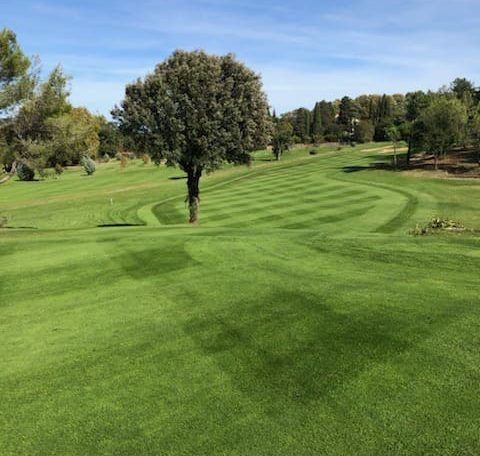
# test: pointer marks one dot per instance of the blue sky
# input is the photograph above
(305, 50)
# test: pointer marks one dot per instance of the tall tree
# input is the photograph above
(197, 111)
(15, 80)
(393, 134)
(317, 126)
(302, 124)
(72, 135)
(31, 129)
(282, 137)
(444, 122)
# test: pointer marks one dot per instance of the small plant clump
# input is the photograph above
(3, 221)
(436, 225)
(146, 159)
(24, 172)
(88, 165)
(313, 152)
(123, 161)
(58, 169)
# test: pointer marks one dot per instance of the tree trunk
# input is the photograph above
(436, 161)
(409, 151)
(9, 174)
(193, 181)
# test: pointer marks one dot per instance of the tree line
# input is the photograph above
(39, 127)
(433, 121)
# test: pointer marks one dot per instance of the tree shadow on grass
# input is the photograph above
(148, 262)
(294, 348)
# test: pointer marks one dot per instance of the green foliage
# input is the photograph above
(72, 135)
(444, 121)
(25, 172)
(110, 138)
(88, 165)
(302, 125)
(197, 111)
(15, 80)
(282, 137)
(58, 169)
(363, 132)
(32, 130)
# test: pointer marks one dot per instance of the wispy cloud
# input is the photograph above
(305, 49)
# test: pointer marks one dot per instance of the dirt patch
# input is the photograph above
(459, 164)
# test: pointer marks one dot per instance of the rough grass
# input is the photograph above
(299, 318)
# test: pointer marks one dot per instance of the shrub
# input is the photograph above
(24, 172)
(58, 169)
(88, 165)
(435, 225)
(146, 159)
(313, 152)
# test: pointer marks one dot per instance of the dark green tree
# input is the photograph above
(317, 126)
(32, 128)
(197, 111)
(444, 121)
(16, 82)
(110, 139)
(282, 137)
(302, 125)
(363, 131)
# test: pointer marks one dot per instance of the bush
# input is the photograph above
(58, 169)
(88, 165)
(435, 225)
(146, 159)
(24, 172)
(313, 152)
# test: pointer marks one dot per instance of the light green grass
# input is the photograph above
(298, 318)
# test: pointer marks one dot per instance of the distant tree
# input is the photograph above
(302, 124)
(72, 135)
(31, 128)
(444, 121)
(413, 129)
(463, 89)
(474, 132)
(347, 118)
(197, 111)
(363, 131)
(110, 138)
(317, 126)
(282, 137)
(327, 118)
(347, 113)
(393, 134)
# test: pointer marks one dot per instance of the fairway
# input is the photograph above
(298, 318)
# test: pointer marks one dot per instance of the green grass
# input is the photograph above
(298, 318)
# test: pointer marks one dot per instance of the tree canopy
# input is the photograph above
(196, 111)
